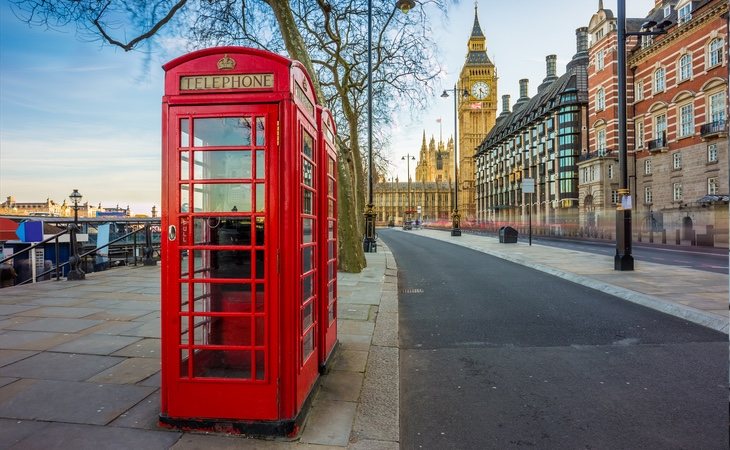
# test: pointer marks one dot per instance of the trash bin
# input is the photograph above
(507, 235)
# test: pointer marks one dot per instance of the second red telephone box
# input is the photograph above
(245, 320)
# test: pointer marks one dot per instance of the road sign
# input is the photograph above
(528, 185)
(30, 231)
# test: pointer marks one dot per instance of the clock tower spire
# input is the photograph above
(477, 112)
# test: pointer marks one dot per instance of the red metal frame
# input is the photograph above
(240, 328)
(327, 236)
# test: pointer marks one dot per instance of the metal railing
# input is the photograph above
(119, 251)
(716, 127)
(657, 144)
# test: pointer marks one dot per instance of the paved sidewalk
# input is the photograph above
(695, 295)
(80, 361)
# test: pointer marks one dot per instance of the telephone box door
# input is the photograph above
(222, 309)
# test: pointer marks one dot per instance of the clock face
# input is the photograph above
(480, 90)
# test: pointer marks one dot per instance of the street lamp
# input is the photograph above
(455, 217)
(623, 260)
(408, 158)
(369, 244)
(74, 261)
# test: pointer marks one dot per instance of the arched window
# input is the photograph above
(714, 53)
(684, 69)
(600, 99)
(659, 80)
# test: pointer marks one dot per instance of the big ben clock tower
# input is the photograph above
(477, 113)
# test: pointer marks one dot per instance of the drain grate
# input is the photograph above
(412, 291)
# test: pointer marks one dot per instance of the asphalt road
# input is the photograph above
(495, 355)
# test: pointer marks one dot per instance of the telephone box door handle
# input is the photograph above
(171, 233)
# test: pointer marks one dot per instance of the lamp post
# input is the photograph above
(623, 260)
(74, 261)
(369, 245)
(408, 158)
(455, 217)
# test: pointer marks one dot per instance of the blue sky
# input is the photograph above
(78, 115)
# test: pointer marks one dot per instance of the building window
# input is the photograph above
(686, 120)
(717, 107)
(712, 186)
(601, 142)
(614, 197)
(715, 52)
(600, 99)
(677, 161)
(712, 153)
(659, 80)
(639, 90)
(639, 134)
(610, 171)
(677, 192)
(685, 67)
(660, 127)
(685, 13)
(667, 11)
(648, 195)
(647, 167)
(646, 41)
(599, 60)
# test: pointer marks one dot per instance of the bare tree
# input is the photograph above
(328, 37)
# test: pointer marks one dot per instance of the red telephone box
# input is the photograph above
(327, 236)
(241, 272)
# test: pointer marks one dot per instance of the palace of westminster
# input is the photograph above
(565, 137)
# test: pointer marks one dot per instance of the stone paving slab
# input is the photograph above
(341, 385)
(70, 312)
(128, 371)
(59, 366)
(14, 431)
(354, 311)
(64, 436)
(56, 324)
(145, 348)
(329, 423)
(32, 340)
(144, 414)
(350, 360)
(68, 401)
(6, 310)
(96, 344)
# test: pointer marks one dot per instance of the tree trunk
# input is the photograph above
(351, 257)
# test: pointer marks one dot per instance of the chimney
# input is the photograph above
(582, 40)
(523, 88)
(505, 104)
(551, 61)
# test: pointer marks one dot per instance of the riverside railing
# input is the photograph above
(120, 249)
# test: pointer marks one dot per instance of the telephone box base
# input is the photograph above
(262, 428)
(268, 428)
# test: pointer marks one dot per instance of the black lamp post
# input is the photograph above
(455, 217)
(623, 260)
(408, 158)
(74, 261)
(369, 244)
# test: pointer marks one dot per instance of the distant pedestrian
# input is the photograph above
(7, 275)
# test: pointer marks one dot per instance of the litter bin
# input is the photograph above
(507, 235)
